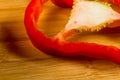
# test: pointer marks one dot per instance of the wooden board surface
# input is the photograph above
(20, 60)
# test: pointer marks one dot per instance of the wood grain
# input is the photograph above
(20, 60)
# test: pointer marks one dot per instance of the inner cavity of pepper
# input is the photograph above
(54, 19)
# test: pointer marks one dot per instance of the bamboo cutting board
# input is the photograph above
(20, 60)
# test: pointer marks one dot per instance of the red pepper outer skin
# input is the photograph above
(56, 47)
(117, 2)
(69, 3)
(63, 3)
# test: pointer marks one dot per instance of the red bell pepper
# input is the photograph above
(117, 2)
(63, 3)
(57, 47)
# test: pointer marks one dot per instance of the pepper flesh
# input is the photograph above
(117, 2)
(57, 47)
(63, 3)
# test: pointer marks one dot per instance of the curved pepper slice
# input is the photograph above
(56, 47)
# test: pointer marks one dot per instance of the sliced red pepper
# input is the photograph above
(117, 2)
(63, 3)
(56, 47)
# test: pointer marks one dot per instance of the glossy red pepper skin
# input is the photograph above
(63, 3)
(117, 2)
(56, 47)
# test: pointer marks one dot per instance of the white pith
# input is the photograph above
(91, 15)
